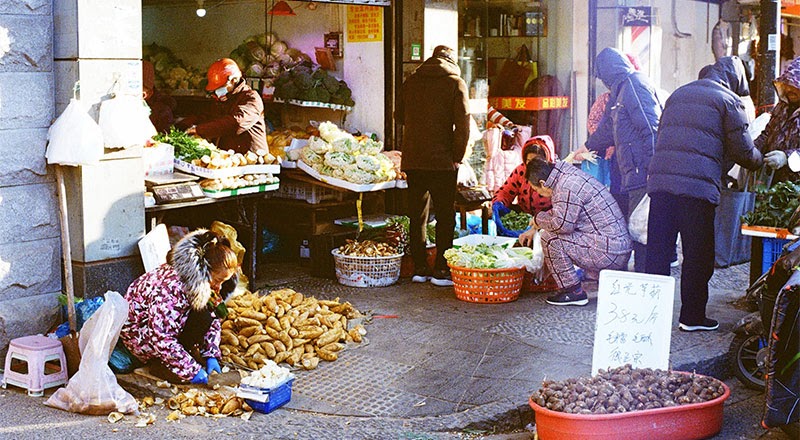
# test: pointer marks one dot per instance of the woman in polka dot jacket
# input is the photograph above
(516, 188)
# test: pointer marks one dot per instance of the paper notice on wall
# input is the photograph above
(634, 320)
(364, 24)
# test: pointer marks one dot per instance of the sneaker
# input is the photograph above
(420, 278)
(442, 279)
(707, 325)
(569, 298)
(674, 263)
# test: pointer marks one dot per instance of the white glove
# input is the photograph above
(775, 159)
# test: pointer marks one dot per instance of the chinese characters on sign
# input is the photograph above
(364, 24)
(634, 320)
(529, 103)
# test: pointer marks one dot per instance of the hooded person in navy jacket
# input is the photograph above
(703, 131)
(630, 123)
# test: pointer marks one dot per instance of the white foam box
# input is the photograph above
(158, 159)
(476, 239)
(226, 172)
(343, 183)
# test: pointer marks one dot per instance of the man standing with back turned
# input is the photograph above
(434, 111)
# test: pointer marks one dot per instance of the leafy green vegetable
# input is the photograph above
(516, 221)
(186, 147)
(484, 256)
(774, 206)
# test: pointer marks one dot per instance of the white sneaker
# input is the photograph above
(675, 263)
(420, 279)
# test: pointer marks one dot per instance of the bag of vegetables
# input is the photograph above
(509, 223)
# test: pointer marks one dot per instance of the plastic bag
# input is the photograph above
(74, 138)
(94, 388)
(637, 225)
(125, 122)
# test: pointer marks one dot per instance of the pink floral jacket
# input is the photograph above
(159, 307)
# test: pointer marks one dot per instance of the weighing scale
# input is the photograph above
(175, 187)
(474, 194)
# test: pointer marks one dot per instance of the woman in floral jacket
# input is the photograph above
(172, 307)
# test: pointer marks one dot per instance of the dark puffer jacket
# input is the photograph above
(434, 110)
(704, 125)
(242, 127)
(783, 130)
(630, 120)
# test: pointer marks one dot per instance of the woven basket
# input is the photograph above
(487, 285)
(366, 271)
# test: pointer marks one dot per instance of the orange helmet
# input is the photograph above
(220, 72)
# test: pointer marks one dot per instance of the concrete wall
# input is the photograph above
(30, 257)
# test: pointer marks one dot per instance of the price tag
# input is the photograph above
(634, 320)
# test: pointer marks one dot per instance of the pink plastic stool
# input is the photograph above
(35, 351)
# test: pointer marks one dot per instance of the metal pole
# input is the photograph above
(768, 49)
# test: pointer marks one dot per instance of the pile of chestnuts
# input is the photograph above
(624, 389)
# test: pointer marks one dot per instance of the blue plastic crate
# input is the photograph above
(275, 397)
(772, 248)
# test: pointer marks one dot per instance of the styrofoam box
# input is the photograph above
(158, 159)
(343, 183)
(226, 172)
(476, 239)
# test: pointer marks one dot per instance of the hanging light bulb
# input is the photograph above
(201, 10)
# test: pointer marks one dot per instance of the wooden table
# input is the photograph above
(249, 205)
(486, 213)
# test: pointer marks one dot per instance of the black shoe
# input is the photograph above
(569, 298)
(442, 278)
(707, 325)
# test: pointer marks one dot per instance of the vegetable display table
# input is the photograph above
(246, 204)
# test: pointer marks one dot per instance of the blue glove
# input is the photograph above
(212, 365)
(201, 377)
(498, 211)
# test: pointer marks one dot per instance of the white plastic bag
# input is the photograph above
(74, 138)
(125, 121)
(94, 388)
(637, 225)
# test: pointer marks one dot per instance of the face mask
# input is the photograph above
(222, 91)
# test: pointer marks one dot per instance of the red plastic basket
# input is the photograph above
(683, 422)
(547, 285)
(487, 285)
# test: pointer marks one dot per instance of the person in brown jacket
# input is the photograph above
(241, 127)
(434, 112)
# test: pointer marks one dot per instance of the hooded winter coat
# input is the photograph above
(630, 120)
(434, 110)
(783, 129)
(242, 127)
(703, 127)
(160, 302)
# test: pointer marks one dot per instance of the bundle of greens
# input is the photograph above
(774, 206)
(186, 147)
(484, 256)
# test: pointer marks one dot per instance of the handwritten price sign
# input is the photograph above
(634, 320)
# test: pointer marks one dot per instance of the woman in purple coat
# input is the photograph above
(173, 308)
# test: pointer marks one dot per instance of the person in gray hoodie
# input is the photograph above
(630, 123)
(434, 111)
(703, 129)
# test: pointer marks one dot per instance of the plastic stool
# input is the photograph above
(35, 351)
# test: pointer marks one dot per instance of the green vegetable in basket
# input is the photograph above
(516, 221)
(187, 147)
(484, 256)
(774, 206)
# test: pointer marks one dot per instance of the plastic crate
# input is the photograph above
(306, 191)
(772, 248)
(274, 397)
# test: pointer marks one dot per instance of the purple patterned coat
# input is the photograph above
(160, 302)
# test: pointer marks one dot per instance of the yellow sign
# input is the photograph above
(364, 24)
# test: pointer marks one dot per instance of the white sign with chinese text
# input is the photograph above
(634, 320)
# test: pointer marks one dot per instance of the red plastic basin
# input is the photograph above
(683, 422)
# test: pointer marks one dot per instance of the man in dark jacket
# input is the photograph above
(241, 127)
(704, 125)
(434, 110)
(630, 123)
